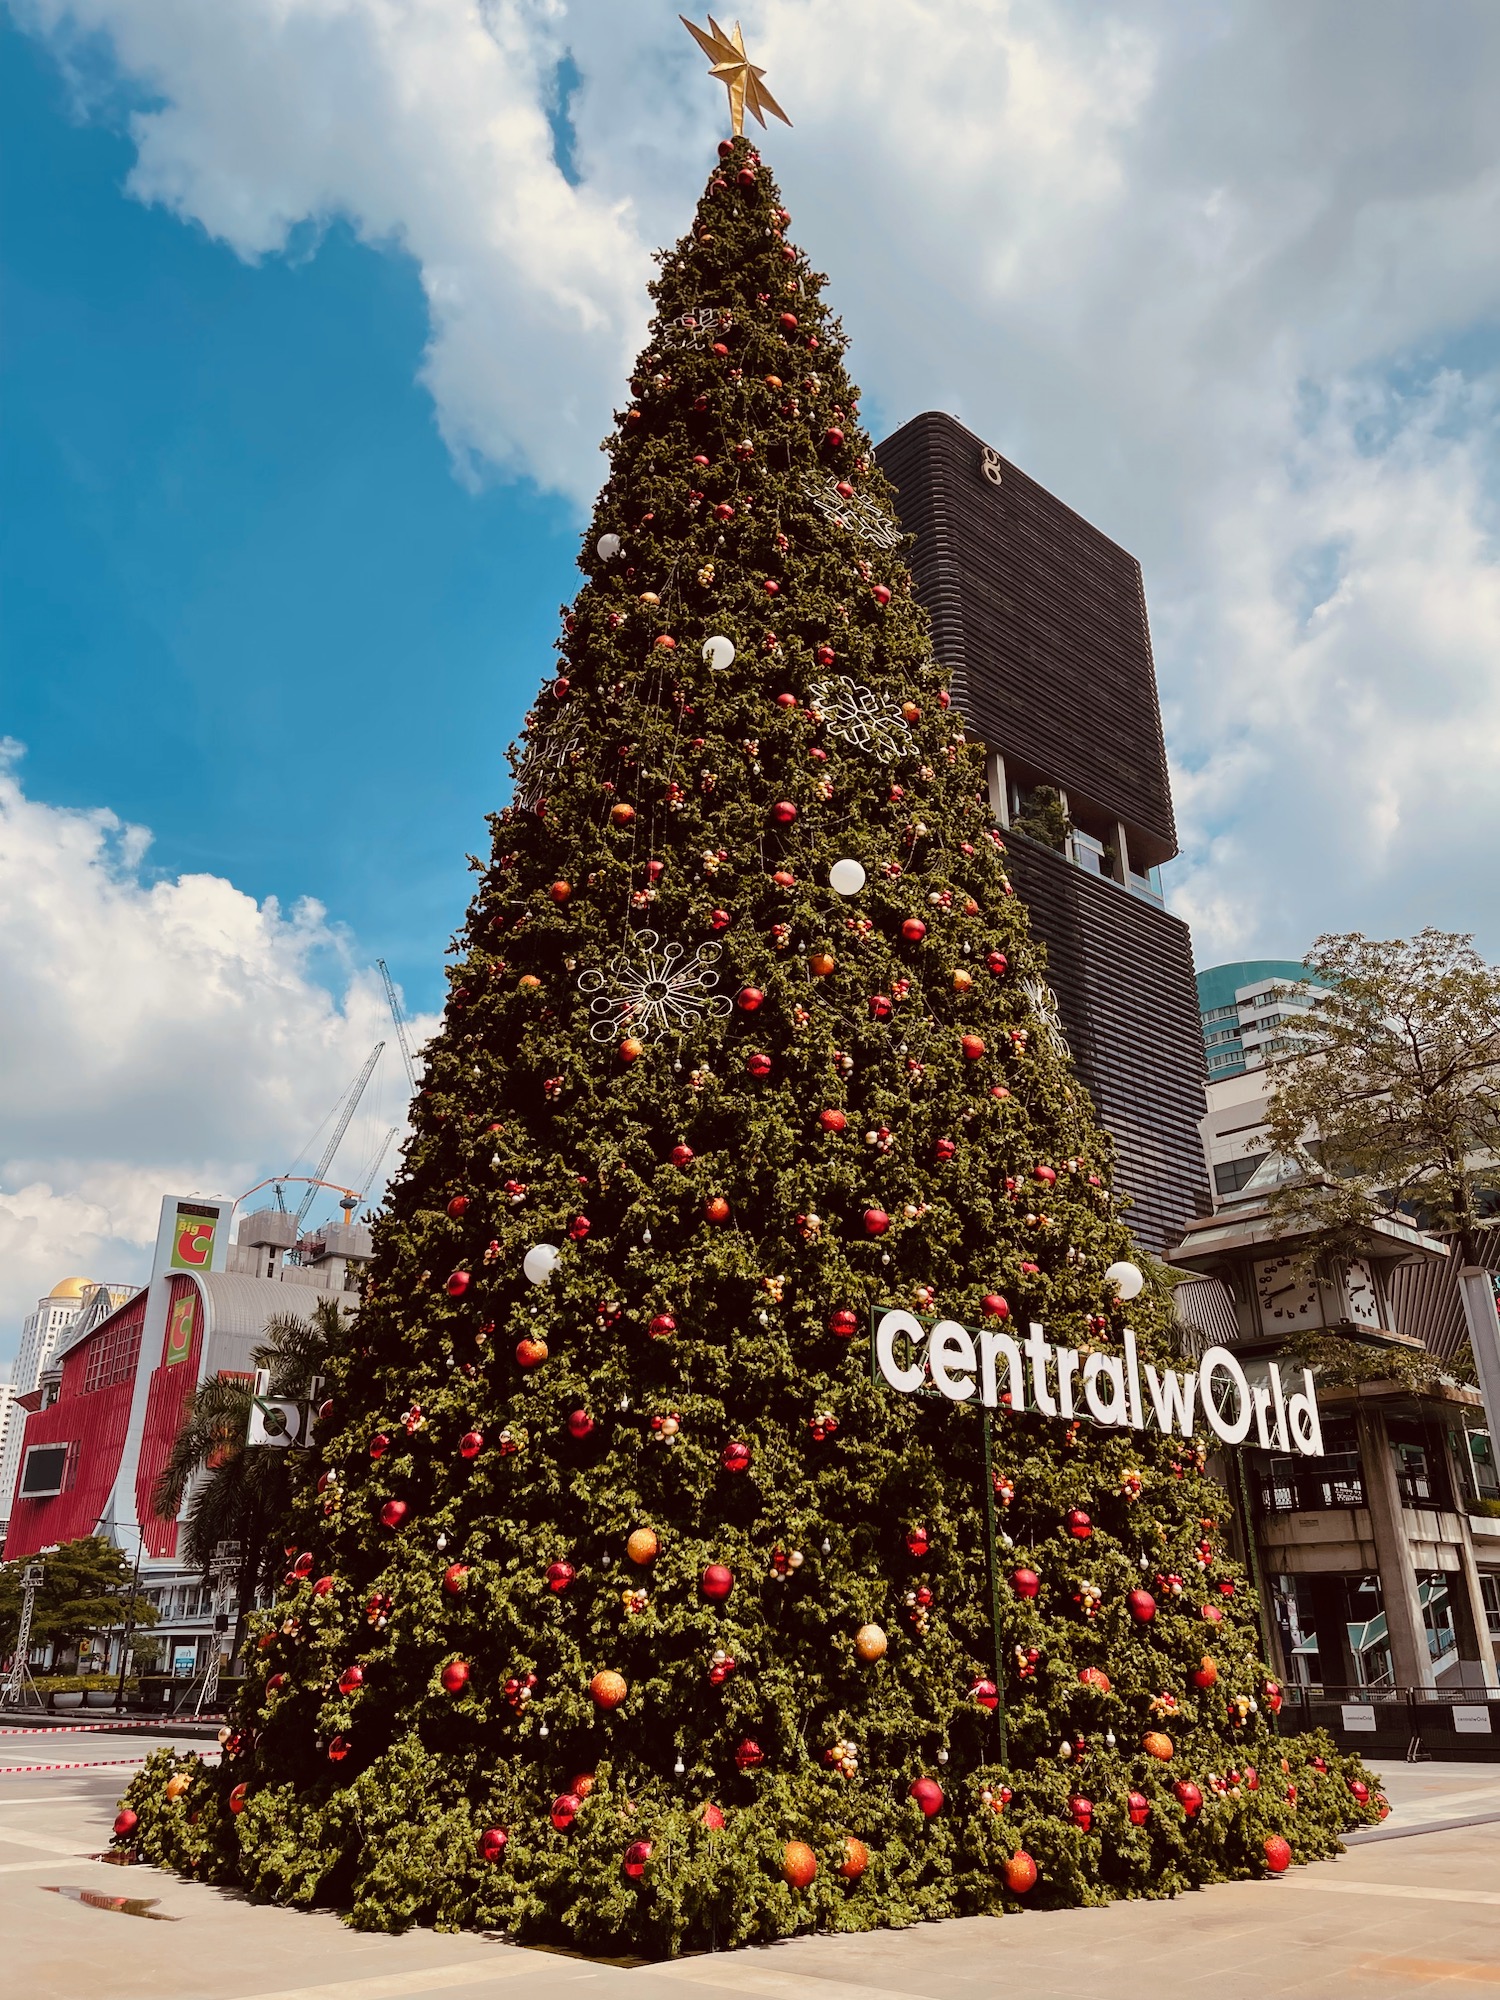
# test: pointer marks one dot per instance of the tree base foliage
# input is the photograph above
(397, 1847)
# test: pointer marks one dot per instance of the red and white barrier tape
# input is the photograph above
(90, 1764)
(93, 1728)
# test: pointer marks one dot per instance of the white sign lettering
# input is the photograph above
(961, 1362)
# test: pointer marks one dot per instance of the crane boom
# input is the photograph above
(385, 1147)
(395, 1007)
(351, 1103)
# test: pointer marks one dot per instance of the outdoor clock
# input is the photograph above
(1360, 1294)
(1288, 1295)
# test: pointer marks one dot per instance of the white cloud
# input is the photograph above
(161, 1036)
(1221, 276)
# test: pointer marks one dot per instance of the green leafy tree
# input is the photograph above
(86, 1588)
(583, 1643)
(236, 1492)
(1388, 1102)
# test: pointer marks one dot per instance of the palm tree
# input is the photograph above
(238, 1492)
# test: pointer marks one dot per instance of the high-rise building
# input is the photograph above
(55, 1315)
(1041, 622)
(1250, 1012)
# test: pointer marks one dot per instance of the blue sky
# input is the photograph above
(314, 318)
(246, 602)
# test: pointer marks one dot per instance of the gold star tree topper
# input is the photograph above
(728, 61)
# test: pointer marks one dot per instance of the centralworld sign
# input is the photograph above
(1116, 1391)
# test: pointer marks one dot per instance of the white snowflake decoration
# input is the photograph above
(858, 716)
(661, 992)
(544, 755)
(857, 515)
(1048, 1017)
(698, 323)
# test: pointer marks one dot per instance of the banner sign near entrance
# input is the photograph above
(1112, 1390)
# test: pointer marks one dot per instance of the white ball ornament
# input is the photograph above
(1128, 1280)
(846, 877)
(540, 1262)
(608, 547)
(719, 652)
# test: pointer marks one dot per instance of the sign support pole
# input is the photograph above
(993, 1554)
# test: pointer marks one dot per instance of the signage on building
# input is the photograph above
(195, 1228)
(1115, 1391)
(180, 1329)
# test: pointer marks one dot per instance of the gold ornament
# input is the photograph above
(728, 61)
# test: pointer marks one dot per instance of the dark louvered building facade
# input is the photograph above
(1041, 622)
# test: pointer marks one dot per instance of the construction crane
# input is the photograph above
(351, 1201)
(351, 1103)
(395, 1007)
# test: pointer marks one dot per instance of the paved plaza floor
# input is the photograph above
(1412, 1909)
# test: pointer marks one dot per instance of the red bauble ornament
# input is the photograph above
(716, 1209)
(749, 1754)
(709, 1815)
(1096, 1678)
(994, 1306)
(928, 1794)
(608, 1689)
(881, 594)
(580, 1424)
(824, 655)
(1078, 1524)
(735, 1456)
(1082, 1812)
(750, 999)
(1139, 1807)
(1278, 1854)
(456, 1579)
(844, 1323)
(351, 1680)
(338, 1749)
(323, 1587)
(789, 322)
(880, 1006)
(1027, 1582)
(918, 1541)
(1019, 1872)
(492, 1843)
(393, 1513)
(380, 1444)
(972, 1047)
(798, 1864)
(471, 1444)
(1204, 1676)
(530, 1353)
(632, 1049)
(832, 1120)
(914, 930)
(1047, 1175)
(856, 1858)
(833, 437)
(718, 1581)
(636, 1856)
(662, 1325)
(943, 1150)
(559, 1576)
(877, 1222)
(1188, 1796)
(758, 1064)
(565, 1809)
(458, 1205)
(771, 587)
(455, 1676)
(1359, 1791)
(783, 812)
(986, 1694)
(1141, 1605)
(458, 1283)
(126, 1821)
(681, 1156)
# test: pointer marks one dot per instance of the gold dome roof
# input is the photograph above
(70, 1288)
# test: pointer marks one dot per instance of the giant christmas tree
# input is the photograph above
(632, 1608)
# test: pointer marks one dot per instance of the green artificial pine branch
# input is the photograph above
(675, 1054)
